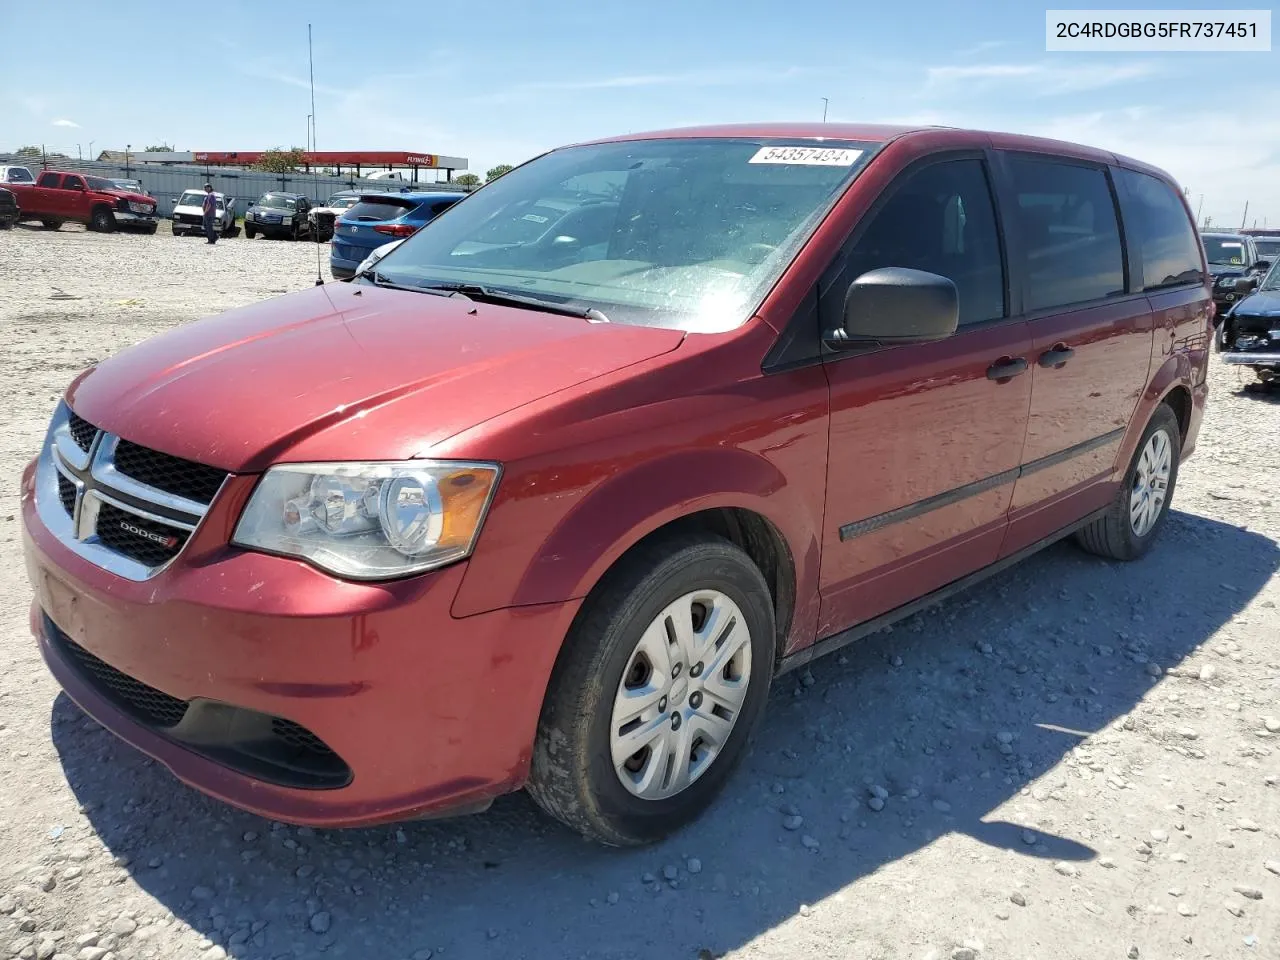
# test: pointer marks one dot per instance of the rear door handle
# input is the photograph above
(1006, 368)
(1056, 357)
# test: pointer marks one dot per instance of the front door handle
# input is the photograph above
(1006, 368)
(1056, 357)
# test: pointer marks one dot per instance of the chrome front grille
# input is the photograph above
(123, 507)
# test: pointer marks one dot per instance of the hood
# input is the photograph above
(1259, 305)
(1227, 270)
(129, 195)
(345, 371)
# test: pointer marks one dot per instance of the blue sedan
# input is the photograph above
(379, 218)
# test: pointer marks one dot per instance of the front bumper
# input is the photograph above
(427, 713)
(1255, 358)
(127, 218)
(272, 229)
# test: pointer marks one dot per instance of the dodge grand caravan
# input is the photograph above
(550, 509)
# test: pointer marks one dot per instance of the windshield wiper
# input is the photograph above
(474, 291)
(380, 281)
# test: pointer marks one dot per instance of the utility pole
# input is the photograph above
(1245, 219)
(312, 68)
(308, 140)
(1200, 207)
(90, 149)
(825, 103)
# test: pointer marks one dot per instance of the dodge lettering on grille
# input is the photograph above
(147, 534)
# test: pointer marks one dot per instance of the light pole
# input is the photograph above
(825, 102)
(90, 149)
(308, 140)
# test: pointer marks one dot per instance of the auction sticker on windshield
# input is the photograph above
(809, 156)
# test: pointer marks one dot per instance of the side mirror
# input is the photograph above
(1262, 265)
(900, 305)
(1245, 284)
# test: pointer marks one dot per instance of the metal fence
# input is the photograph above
(166, 183)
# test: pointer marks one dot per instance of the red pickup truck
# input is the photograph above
(57, 197)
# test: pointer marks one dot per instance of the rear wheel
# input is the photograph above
(657, 690)
(1141, 506)
(51, 223)
(102, 220)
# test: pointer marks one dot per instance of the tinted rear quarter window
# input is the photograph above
(371, 210)
(1158, 224)
(1070, 235)
(18, 175)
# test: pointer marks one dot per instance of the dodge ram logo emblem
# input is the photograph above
(137, 531)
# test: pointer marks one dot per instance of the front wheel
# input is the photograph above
(249, 232)
(657, 690)
(51, 223)
(102, 220)
(1141, 506)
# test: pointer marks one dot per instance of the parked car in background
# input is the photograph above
(10, 212)
(323, 218)
(16, 175)
(1251, 329)
(278, 215)
(1232, 256)
(554, 514)
(188, 214)
(1268, 246)
(57, 197)
(377, 218)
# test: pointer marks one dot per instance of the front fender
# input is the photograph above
(621, 510)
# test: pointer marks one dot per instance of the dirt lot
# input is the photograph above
(1075, 760)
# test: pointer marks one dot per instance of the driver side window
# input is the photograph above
(940, 219)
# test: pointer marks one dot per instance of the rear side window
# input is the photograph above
(379, 209)
(1070, 235)
(1161, 229)
(940, 219)
(18, 175)
(48, 179)
(72, 183)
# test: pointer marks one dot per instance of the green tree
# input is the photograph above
(161, 148)
(467, 180)
(279, 160)
(28, 151)
(495, 172)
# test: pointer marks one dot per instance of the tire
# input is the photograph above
(51, 224)
(150, 229)
(101, 220)
(573, 775)
(1114, 535)
(249, 232)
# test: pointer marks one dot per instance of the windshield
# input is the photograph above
(98, 183)
(1268, 247)
(195, 198)
(1225, 251)
(133, 185)
(685, 233)
(278, 203)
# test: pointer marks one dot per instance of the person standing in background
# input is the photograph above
(210, 210)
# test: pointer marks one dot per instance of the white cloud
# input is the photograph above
(66, 123)
(715, 77)
(1037, 78)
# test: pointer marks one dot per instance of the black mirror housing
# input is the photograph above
(1245, 284)
(900, 305)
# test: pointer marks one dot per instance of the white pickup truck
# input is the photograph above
(188, 214)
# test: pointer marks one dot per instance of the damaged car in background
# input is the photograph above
(1250, 334)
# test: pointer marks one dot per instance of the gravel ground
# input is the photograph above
(1076, 759)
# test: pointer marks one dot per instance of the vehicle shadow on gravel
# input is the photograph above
(945, 718)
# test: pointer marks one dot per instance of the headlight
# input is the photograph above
(370, 521)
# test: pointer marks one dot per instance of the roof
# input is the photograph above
(414, 194)
(883, 133)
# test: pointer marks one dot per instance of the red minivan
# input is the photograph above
(548, 496)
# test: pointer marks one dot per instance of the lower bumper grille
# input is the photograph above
(259, 745)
